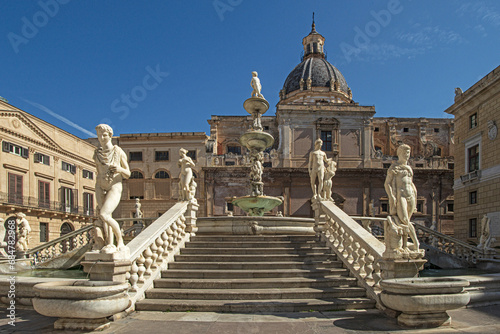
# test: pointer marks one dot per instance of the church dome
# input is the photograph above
(315, 70)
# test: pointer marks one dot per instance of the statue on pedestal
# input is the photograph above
(316, 167)
(486, 239)
(138, 212)
(112, 168)
(402, 195)
(186, 177)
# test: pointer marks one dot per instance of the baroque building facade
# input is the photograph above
(316, 102)
(477, 148)
(45, 173)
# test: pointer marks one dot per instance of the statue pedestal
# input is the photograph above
(392, 268)
(107, 267)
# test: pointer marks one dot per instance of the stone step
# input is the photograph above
(254, 244)
(270, 273)
(255, 305)
(256, 283)
(254, 258)
(254, 265)
(249, 294)
(249, 251)
(253, 238)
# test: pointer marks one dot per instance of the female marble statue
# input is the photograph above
(331, 168)
(185, 163)
(112, 168)
(23, 229)
(138, 211)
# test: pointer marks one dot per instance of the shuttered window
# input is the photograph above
(43, 194)
(15, 189)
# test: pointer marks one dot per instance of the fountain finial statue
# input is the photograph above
(256, 86)
(316, 167)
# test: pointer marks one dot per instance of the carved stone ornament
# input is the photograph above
(492, 130)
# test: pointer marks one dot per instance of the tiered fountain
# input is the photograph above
(256, 141)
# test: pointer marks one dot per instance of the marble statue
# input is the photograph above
(23, 229)
(485, 239)
(256, 86)
(316, 167)
(186, 164)
(138, 211)
(331, 168)
(112, 168)
(402, 195)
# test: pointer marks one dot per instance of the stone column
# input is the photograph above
(190, 216)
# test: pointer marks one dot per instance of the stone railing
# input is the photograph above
(358, 249)
(60, 246)
(462, 251)
(156, 246)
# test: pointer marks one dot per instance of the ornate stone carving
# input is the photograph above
(331, 168)
(23, 229)
(492, 130)
(301, 83)
(486, 238)
(309, 83)
(186, 179)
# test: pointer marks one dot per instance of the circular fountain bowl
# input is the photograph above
(256, 104)
(257, 205)
(258, 140)
(81, 299)
(424, 301)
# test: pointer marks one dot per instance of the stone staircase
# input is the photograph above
(255, 274)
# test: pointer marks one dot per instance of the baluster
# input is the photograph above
(345, 243)
(362, 261)
(340, 245)
(134, 277)
(369, 259)
(377, 275)
(355, 254)
(182, 224)
(148, 259)
(164, 238)
(350, 249)
(142, 269)
(159, 245)
(154, 256)
(175, 233)
(170, 233)
(335, 233)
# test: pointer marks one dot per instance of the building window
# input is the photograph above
(386, 165)
(267, 164)
(473, 197)
(419, 165)
(161, 175)
(406, 129)
(87, 174)
(326, 137)
(384, 207)
(136, 175)
(230, 163)
(436, 130)
(450, 207)
(161, 156)
(135, 156)
(88, 204)
(42, 159)
(69, 199)
(473, 120)
(15, 149)
(44, 232)
(266, 127)
(68, 167)
(420, 206)
(15, 189)
(451, 165)
(473, 158)
(192, 154)
(473, 228)
(377, 129)
(234, 149)
(230, 206)
(43, 194)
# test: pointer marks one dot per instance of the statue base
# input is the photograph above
(102, 266)
(401, 268)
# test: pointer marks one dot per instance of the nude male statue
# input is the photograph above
(257, 87)
(402, 193)
(112, 168)
(317, 160)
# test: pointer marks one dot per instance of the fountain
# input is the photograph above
(256, 141)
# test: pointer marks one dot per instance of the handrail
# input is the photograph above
(358, 249)
(61, 238)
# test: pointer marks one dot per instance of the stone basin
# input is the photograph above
(260, 204)
(73, 301)
(256, 105)
(424, 301)
(258, 140)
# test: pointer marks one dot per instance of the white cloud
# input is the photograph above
(430, 36)
(481, 11)
(384, 51)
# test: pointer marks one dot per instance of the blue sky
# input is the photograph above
(167, 66)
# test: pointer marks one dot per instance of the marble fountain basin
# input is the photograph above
(257, 204)
(255, 139)
(81, 299)
(424, 301)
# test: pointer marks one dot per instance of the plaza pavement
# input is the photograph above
(480, 320)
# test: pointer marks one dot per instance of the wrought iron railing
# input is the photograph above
(37, 203)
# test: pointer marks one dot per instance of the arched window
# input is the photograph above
(162, 175)
(235, 149)
(66, 228)
(136, 175)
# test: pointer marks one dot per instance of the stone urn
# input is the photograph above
(424, 301)
(81, 305)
